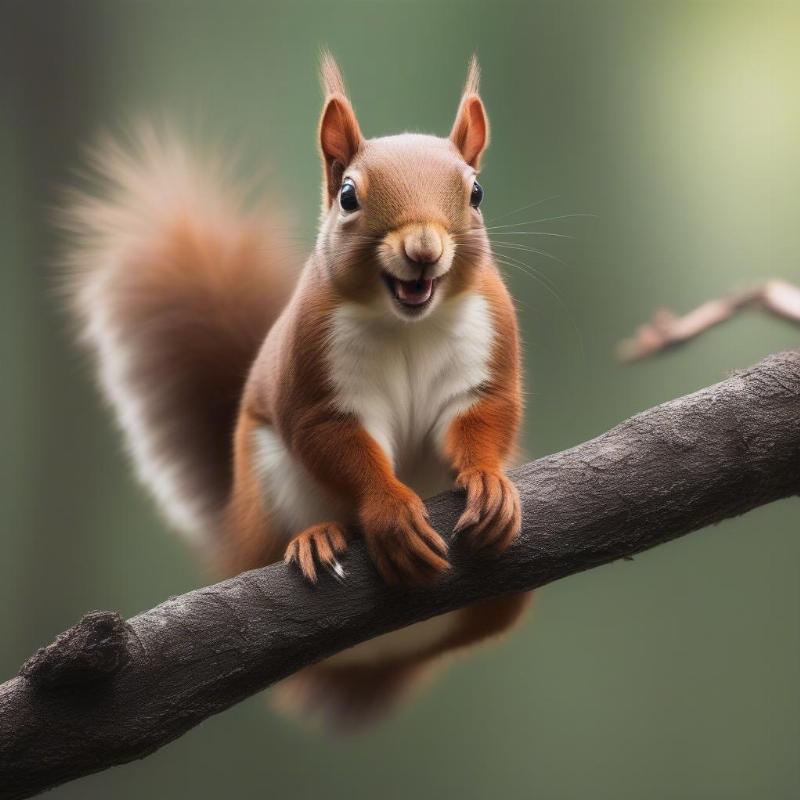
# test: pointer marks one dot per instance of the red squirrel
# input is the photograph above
(272, 417)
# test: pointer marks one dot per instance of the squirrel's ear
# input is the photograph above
(339, 135)
(470, 133)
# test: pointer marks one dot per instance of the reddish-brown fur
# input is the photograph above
(195, 294)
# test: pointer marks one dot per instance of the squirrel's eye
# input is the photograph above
(348, 199)
(477, 195)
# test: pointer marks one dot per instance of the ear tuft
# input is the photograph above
(470, 133)
(330, 75)
(473, 82)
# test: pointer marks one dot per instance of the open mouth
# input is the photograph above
(411, 295)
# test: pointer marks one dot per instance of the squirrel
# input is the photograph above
(271, 415)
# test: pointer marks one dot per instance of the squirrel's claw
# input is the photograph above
(492, 515)
(404, 547)
(336, 570)
(318, 544)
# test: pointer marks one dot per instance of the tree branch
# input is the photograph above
(108, 692)
(666, 330)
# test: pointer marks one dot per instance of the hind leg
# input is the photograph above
(365, 683)
(348, 697)
(488, 618)
(250, 538)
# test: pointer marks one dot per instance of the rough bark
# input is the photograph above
(107, 692)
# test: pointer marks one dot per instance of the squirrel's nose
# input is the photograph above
(423, 246)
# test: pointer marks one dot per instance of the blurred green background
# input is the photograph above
(678, 126)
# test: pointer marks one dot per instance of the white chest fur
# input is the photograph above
(406, 381)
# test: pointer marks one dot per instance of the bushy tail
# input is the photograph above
(175, 285)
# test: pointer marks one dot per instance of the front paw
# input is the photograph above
(403, 546)
(318, 544)
(492, 517)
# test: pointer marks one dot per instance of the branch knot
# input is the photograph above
(92, 650)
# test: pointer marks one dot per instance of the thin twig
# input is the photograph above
(666, 329)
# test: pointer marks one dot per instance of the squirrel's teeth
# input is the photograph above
(413, 293)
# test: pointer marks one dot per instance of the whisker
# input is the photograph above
(510, 225)
(524, 266)
(554, 293)
(530, 233)
(492, 232)
(538, 279)
(528, 271)
(560, 217)
(524, 248)
(524, 208)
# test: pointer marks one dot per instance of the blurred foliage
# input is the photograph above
(677, 126)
